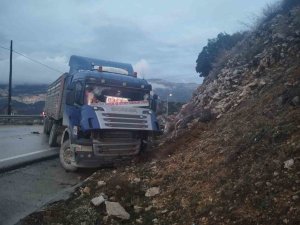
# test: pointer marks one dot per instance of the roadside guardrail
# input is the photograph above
(21, 119)
(21, 116)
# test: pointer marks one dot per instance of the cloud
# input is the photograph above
(25, 71)
(162, 38)
(142, 68)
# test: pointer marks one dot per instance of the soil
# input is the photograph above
(231, 170)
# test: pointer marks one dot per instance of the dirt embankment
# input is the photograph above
(240, 168)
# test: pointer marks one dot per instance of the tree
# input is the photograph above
(214, 47)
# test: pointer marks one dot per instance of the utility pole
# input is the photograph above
(169, 95)
(10, 79)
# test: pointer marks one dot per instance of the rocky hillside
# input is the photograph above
(257, 63)
(232, 155)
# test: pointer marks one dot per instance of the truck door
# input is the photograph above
(73, 106)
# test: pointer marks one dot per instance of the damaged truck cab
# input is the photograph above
(101, 111)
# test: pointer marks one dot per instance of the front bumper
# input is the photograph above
(102, 154)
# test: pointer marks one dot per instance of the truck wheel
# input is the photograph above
(49, 126)
(46, 125)
(53, 135)
(145, 145)
(66, 156)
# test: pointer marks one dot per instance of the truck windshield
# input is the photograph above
(95, 93)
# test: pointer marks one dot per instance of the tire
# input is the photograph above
(46, 125)
(53, 135)
(49, 126)
(62, 157)
(146, 144)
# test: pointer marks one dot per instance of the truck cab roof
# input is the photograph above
(112, 79)
(81, 68)
(78, 63)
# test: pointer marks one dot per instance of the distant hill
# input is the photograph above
(181, 92)
(26, 89)
(30, 98)
(22, 108)
(26, 98)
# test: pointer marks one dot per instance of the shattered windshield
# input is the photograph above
(102, 94)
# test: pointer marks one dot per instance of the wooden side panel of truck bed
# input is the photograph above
(54, 98)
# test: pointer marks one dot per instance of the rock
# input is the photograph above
(269, 184)
(101, 183)
(139, 220)
(258, 184)
(164, 211)
(115, 209)
(148, 208)
(118, 187)
(296, 101)
(253, 84)
(236, 72)
(262, 83)
(105, 219)
(280, 101)
(152, 192)
(288, 164)
(278, 36)
(155, 220)
(98, 200)
(86, 190)
(295, 197)
(137, 209)
(275, 174)
(204, 115)
(136, 180)
(112, 198)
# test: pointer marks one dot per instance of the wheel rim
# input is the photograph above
(68, 155)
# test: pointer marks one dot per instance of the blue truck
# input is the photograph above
(100, 112)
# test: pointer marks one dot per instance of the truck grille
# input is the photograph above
(125, 121)
(124, 115)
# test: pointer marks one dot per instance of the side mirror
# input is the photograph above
(154, 102)
(70, 98)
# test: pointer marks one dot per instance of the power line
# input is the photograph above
(36, 61)
(33, 60)
(42, 64)
(4, 48)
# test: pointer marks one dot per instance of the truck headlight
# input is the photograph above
(147, 112)
(97, 108)
(75, 130)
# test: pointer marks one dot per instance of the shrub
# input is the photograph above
(209, 54)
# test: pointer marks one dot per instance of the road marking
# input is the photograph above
(23, 155)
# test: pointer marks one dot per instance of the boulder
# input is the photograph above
(152, 192)
(115, 209)
(98, 200)
(101, 183)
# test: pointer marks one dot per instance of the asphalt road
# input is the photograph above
(28, 188)
(21, 144)
(21, 139)
(25, 190)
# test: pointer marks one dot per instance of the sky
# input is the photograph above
(160, 38)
